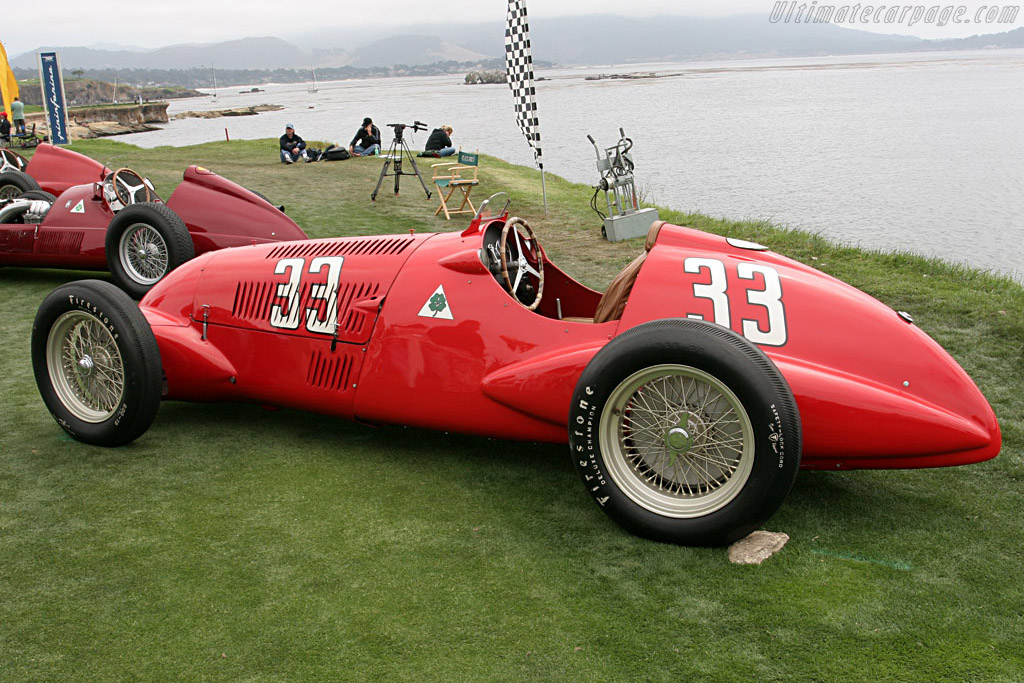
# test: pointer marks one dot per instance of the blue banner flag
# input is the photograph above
(53, 97)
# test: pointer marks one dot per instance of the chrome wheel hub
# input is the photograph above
(85, 365)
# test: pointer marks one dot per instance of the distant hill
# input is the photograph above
(1014, 38)
(413, 50)
(247, 53)
(592, 39)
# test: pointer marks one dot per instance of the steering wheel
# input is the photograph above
(127, 185)
(11, 160)
(529, 260)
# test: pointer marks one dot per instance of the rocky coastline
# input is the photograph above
(96, 122)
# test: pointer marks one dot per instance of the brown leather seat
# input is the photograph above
(613, 303)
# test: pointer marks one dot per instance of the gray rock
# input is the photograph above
(757, 547)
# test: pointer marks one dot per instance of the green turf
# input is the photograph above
(235, 543)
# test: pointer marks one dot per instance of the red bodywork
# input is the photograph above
(56, 169)
(217, 212)
(257, 324)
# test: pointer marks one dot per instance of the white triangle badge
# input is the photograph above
(437, 306)
(79, 207)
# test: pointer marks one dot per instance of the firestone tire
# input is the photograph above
(13, 183)
(685, 432)
(145, 241)
(96, 363)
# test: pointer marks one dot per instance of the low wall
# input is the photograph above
(90, 122)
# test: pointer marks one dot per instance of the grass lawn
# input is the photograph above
(231, 542)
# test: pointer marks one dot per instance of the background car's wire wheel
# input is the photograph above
(679, 442)
(96, 363)
(144, 242)
(143, 253)
(13, 183)
(685, 432)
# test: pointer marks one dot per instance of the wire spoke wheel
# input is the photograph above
(143, 253)
(681, 444)
(85, 366)
(9, 192)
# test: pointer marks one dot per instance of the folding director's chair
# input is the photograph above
(456, 175)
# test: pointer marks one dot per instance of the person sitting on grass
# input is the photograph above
(367, 140)
(292, 146)
(439, 143)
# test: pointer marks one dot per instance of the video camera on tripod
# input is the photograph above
(400, 148)
(400, 128)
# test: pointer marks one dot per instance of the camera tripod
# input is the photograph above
(399, 147)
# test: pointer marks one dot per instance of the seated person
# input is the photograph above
(292, 146)
(440, 142)
(367, 140)
(5, 127)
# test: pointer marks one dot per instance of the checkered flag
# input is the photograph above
(519, 74)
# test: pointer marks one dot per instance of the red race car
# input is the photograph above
(115, 221)
(51, 169)
(690, 392)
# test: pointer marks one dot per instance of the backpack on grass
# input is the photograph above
(334, 154)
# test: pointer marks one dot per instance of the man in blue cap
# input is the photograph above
(292, 146)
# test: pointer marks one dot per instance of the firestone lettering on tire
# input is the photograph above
(584, 427)
(87, 306)
(777, 438)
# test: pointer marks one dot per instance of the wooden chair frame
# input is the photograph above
(456, 175)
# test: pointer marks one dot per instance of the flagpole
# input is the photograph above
(519, 75)
(544, 189)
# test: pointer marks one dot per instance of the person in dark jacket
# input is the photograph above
(292, 146)
(366, 141)
(5, 127)
(440, 141)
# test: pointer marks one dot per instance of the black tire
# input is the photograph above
(685, 432)
(38, 194)
(145, 241)
(81, 329)
(13, 183)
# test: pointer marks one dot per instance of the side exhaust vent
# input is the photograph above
(330, 371)
(64, 242)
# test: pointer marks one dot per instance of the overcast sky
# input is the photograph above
(166, 22)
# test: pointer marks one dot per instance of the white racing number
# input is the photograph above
(768, 297)
(289, 315)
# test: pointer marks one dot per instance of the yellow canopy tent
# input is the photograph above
(8, 85)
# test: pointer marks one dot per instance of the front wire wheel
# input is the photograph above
(143, 253)
(680, 442)
(685, 432)
(96, 363)
(145, 242)
(85, 366)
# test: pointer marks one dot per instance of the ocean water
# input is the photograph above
(921, 152)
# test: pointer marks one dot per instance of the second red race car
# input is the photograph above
(690, 392)
(115, 221)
